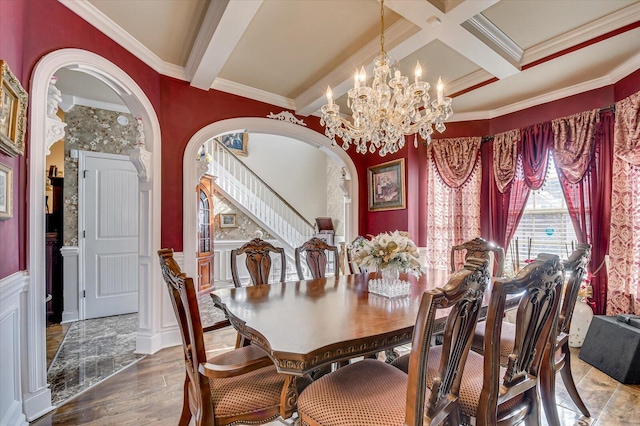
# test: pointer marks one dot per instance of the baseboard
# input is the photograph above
(69, 317)
(38, 403)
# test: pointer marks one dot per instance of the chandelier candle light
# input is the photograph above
(386, 112)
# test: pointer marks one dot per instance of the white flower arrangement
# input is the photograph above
(387, 250)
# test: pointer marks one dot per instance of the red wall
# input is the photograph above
(31, 29)
(12, 231)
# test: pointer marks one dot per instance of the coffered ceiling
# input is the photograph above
(494, 56)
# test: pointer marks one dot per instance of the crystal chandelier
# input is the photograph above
(388, 110)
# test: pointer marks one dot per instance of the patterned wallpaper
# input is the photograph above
(90, 129)
(335, 197)
(246, 226)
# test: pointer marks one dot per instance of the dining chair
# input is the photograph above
(481, 248)
(241, 385)
(258, 262)
(575, 267)
(509, 395)
(370, 393)
(315, 255)
(352, 266)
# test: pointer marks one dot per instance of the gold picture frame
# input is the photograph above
(236, 142)
(13, 112)
(228, 220)
(6, 192)
(387, 189)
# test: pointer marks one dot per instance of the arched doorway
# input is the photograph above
(148, 197)
(191, 175)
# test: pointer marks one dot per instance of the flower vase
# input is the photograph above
(390, 275)
(580, 322)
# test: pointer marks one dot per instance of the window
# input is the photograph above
(545, 226)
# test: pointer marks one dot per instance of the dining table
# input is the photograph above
(307, 324)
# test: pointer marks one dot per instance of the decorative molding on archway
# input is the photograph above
(288, 117)
(255, 125)
(37, 396)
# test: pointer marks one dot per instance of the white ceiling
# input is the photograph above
(286, 52)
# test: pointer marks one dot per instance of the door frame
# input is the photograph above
(37, 395)
(82, 279)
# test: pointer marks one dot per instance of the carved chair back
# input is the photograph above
(185, 305)
(258, 261)
(353, 267)
(480, 248)
(576, 267)
(316, 257)
(463, 294)
(540, 285)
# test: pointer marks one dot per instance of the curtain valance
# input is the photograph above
(627, 133)
(536, 141)
(573, 143)
(455, 159)
(505, 156)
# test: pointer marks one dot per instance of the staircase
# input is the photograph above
(255, 198)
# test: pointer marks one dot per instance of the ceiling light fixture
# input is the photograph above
(388, 110)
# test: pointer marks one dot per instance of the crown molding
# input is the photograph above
(496, 36)
(611, 22)
(469, 80)
(252, 93)
(535, 101)
(108, 27)
(625, 69)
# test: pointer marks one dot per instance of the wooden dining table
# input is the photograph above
(305, 325)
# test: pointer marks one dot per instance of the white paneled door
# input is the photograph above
(110, 207)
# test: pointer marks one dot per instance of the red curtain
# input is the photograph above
(501, 212)
(536, 142)
(589, 204)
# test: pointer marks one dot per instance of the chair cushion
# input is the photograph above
(472, 379)
(365, 393)
(507, 339)
(247, 393)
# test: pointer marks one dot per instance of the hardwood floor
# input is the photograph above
(149, 392)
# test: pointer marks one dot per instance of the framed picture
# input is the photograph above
(386, 186)
(6, 192)
(236, 142)
(228, 220)
(13, 112)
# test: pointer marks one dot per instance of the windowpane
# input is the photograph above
(545, 226)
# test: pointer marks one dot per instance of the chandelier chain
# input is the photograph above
(382, 26)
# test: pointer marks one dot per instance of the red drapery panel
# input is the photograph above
(589, 204)
(536, 141)
(502, 211)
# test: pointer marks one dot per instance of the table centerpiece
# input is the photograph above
(390, 253)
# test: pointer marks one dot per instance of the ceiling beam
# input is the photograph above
(221, 29)
(433, 24)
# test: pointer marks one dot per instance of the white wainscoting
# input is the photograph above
(12, 329)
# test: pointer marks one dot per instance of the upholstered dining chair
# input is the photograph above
(574, 269)
(481, 248)
(369, 392)
(238, 386)
(506, 395)
(315, 255)
(258, 262)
